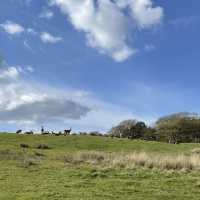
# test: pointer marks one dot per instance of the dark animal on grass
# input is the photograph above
(24, 145)
(53, 133)
(42, 129)
(29, 133)
(67, 132)
(18, 131)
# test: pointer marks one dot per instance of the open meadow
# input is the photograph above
(95, 168)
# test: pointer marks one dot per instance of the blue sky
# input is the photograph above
(77, 65)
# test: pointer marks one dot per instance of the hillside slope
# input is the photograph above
(54, 174)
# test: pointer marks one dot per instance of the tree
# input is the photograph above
(150, 134)
(179, 127)
(138, 130)
(129, 129)
(123, 129)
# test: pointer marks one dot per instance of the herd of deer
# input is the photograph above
(43, 132)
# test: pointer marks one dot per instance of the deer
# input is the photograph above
(43, 132)
(67, 132)
(18, 131)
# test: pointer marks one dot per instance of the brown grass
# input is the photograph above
(22, 158)
(135, 159)
(195, 151)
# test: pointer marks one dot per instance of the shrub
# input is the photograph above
(39, 154)
(24, 145)
(43, 146)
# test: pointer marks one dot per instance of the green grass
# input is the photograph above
(25, 175)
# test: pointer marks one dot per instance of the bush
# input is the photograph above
(95, 133)
(39, 154)
(129, 129)
(24, 145)
(43, 146)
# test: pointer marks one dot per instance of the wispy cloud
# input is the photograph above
(12, 28)
(27, 46)
(47, 14)
(48, 38)
(31, 31)
(149, 47)
(184, 22)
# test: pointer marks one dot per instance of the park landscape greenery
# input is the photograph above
(175, 128)
(36, 167)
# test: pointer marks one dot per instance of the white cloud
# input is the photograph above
(48, 14)
(48, 38)
(143, 12)
(107, 25)
(12, 28)
(184, 22)
(31, 31)
(9, 73)
(25, 102)
(30, 69)
(26, 44)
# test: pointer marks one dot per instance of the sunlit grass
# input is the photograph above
(96, 168)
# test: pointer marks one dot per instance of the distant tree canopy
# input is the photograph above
(129, 129)
(179, 127)
(175, 128)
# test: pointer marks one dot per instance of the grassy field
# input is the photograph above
(89, 168)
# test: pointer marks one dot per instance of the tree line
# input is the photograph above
(175, 128)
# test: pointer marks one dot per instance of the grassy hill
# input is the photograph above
(96, 168)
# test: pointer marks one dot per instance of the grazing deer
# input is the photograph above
(53, 133)
(67, 132)
(43, 132)
(42, 129)
(18, 131)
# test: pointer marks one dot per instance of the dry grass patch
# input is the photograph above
(21, 158)
(195, 151)
(135, 159)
